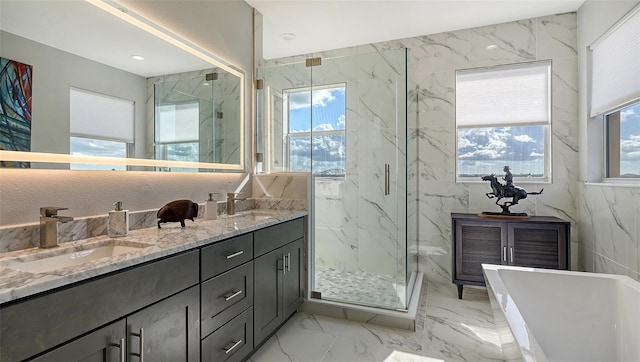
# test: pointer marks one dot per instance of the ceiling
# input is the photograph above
(333, 24)
(83, 29)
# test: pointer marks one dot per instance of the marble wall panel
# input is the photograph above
(557, 36)
(514, 42)
(440, 52)
(432, 191)
(610, 216)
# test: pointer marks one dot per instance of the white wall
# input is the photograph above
(54, 71)
(224, 28)
(609, 216)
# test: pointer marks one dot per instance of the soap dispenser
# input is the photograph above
(211, 207)
(118, 221)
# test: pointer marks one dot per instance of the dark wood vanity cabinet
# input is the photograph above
(279, 276)
(193, 306)
(537, 241)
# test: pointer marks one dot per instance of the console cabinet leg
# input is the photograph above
(460, 291)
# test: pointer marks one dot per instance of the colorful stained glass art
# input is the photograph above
(15, 108)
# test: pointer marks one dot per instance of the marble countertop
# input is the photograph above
(158, 243)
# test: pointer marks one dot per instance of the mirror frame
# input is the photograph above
(167, 35)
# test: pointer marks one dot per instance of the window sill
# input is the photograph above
(616, 183)
(516, 181)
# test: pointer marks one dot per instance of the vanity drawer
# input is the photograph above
(276, 236)
(224, 296)
(225, 255)
(232, 342)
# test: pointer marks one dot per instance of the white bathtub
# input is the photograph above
(551, 315)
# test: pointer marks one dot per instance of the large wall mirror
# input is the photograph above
(110, 89)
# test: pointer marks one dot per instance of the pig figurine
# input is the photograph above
(178, 210)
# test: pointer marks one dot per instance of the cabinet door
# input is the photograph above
(166, 331)
(292, 291)
(478, 242)
(538, 245)
(104, 345)
(267, 302)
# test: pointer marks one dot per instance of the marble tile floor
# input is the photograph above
(448, 329)
(360, 287)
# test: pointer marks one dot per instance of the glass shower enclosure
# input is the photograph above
(343, 118)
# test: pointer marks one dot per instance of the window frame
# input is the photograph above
(548, 130)
(288, 135)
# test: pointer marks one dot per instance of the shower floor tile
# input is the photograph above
(360, 287)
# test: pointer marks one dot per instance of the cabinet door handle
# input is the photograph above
(284, 264)
(289, 262)
(228, 297)
(511, 253)
(232, 347)
(121, 347)
(235, 254)
(504, 253)
(141, 344)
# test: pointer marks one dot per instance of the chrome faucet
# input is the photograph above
(49, 220)
(231, 202)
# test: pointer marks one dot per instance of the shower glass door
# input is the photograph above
(345, 121)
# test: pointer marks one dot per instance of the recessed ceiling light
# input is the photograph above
(137, 57)
(492, 47)
(206, 84)
(288, 36)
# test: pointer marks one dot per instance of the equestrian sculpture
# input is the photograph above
(500, 191)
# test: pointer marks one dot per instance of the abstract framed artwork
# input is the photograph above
(15, 109)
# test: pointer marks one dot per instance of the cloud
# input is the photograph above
(630, 114)
(523, 138)
(323, 127)
(321, 97)
(341, 121)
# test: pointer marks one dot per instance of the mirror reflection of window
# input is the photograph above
(100, 125)
(177, 132)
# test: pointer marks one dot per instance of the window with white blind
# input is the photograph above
(615, 94)
(615, 66)
(177, 128)
(503, 117)
(100, 125)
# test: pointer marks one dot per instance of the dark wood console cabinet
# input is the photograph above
(537, 241)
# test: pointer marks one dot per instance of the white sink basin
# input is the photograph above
(54, 259)
(252, 215)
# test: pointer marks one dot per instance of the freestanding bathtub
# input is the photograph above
(553, 315)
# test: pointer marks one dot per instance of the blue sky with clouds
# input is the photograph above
(315, 111)
(630, 140)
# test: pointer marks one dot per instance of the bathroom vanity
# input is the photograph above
(537, 241)
(212, 292)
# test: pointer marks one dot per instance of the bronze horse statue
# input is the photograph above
(500, 191)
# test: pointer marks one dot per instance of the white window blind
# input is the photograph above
(101, 116)
(177, 122)
(503, 95)
(615, 65)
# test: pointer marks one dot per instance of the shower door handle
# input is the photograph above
(387, 186)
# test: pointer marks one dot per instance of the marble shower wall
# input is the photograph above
(434, 60)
